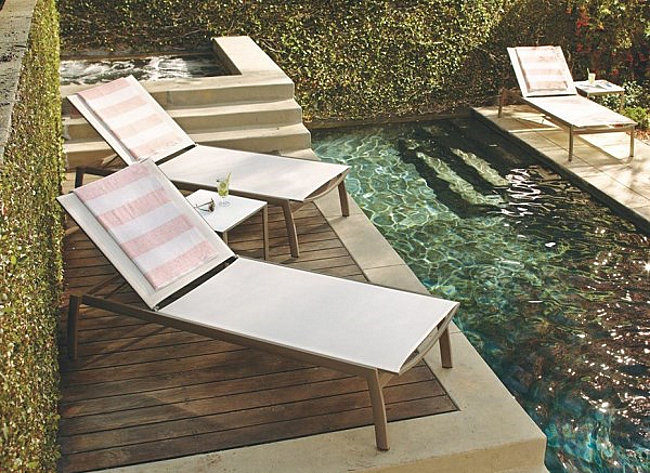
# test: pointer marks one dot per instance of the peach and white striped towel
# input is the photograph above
(143, 128)
(141, 215)
(545, 69)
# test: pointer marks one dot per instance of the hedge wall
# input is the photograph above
(30, 257)
(353, 59)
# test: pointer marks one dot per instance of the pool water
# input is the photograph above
(554, 287)
(93, 71)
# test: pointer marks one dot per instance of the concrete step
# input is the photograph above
(266, 140)
(277, 139)
(196, 119)
(229, 89)
(181, 93)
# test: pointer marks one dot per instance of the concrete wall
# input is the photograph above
(15, 21)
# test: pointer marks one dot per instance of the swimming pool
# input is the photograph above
(554, 287)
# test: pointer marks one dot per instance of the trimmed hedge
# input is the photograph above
(30, 257)
(374, 58)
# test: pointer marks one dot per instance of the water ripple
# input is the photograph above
(553, 287)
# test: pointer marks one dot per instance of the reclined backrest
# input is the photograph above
(131, 121)
(151, 234)
(541, 71)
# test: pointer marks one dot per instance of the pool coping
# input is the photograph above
(600, 165)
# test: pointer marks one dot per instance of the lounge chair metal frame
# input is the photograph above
(101, 296)
(376, 379)
(289, 206)
(536, 100)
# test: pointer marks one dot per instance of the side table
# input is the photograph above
(600, 87)
(224, 218)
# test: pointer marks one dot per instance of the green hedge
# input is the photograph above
(374, 58)
(30, 257)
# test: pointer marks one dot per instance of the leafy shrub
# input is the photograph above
(375, 58)
(612, 38)
(641, 115)
(349, 59)
(30, 257)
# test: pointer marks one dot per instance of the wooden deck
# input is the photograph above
(141, 392)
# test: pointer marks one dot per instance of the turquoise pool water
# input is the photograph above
(554, 287)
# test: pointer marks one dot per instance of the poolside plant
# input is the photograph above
(30, 258)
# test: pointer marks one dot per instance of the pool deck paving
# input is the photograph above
(600, 164)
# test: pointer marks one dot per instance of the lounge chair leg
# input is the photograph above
(445, 349)
(79, 177)
(570, 143)
(291, 229)
(378, 410)
(343, 197)
(501, 102)
(73, 320)
(265, 231)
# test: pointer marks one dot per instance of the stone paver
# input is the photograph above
(600, 163)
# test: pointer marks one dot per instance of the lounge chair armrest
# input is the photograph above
(325, 188)
(429, 342)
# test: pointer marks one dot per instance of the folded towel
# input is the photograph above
(143, 128)
(139, 212)
(545, 70)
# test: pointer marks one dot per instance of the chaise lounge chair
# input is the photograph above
(137, 128)
(546, 84)
(190, 280)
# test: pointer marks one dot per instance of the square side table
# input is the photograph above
(600, 87)
(224, 218)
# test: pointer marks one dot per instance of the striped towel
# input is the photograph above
(545, 69)
(145, 219)
(143, 128)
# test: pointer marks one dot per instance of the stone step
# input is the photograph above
(266, 140)
(197, 119)
(181, 93)
(277, 139)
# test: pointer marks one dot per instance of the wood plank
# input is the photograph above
(187, 392)
(127, 345)
(143, 370)
(146, 355)
(201, 443)
(216, 388)
(75, 392)
(264, 406)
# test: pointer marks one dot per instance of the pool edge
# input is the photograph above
(612, 181)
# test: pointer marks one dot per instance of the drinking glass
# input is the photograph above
(591, 78)
(223, 184)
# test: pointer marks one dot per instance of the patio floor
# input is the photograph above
(600, 164)
(140, 392)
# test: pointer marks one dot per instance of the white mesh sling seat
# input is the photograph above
(546, 84)
(137, 128)
(190, 280)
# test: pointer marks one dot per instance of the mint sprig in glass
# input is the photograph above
(223, 186)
